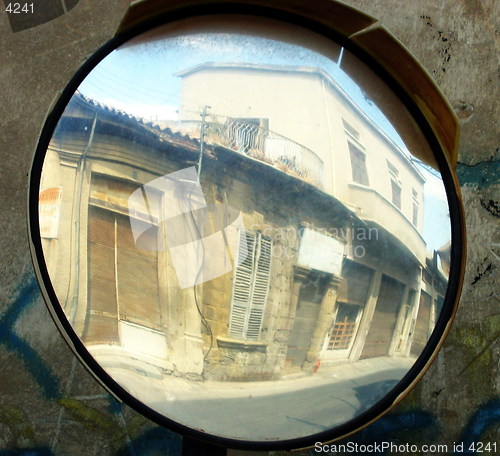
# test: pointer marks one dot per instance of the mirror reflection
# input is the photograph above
(241, 235)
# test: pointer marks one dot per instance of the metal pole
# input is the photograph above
(191, 447)
(202, 137)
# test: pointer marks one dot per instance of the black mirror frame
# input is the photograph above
(330, 19)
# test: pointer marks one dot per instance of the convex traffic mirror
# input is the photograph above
(246, 224)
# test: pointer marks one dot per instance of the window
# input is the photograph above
(415, 213)
(358, 164)
(395, 185)
(250, 286)
(344, 327)
(392, 170)
(247, 134)
(415, 207)
(350, 130)
(351, 299)
(396, 194)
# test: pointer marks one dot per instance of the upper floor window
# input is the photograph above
(396, 194)
(392, 170)
(350, 130)
(395, 185)
(358, 164)
(415, 207)
(247, 134)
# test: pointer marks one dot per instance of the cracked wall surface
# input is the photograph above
(49, 405)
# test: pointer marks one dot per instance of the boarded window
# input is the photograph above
(250, 286)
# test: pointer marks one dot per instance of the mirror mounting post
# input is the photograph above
(192, 446)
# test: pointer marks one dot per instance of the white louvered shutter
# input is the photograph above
(250, 286)
(260, 289)
(242, 285)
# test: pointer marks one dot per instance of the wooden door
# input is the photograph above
(384, 319)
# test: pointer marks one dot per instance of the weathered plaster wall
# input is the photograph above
(50, 406)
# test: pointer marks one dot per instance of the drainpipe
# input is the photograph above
(77, 203)
(329, 127)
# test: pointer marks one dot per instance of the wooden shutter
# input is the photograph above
(421, 334)
(242, 285)
(137, 271)
(102, 322)
(250, 286)
(384, 318)
(260, 288)
(355, 285)
(122, 279)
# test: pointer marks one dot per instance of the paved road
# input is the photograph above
(289, 414)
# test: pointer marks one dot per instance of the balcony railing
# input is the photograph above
(259, 143)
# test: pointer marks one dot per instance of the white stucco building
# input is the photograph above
(361, 165)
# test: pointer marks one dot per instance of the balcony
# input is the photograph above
(259, 143)
(373, 206)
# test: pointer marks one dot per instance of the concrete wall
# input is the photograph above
(50, 406)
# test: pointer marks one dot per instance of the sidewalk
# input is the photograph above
(178, 388)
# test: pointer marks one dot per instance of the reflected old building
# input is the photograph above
(325, 263)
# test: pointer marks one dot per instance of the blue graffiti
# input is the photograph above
(485, 417)
(154, 442)
(114, 407)
(388, 425)
(27, 452)
(26, 297)
(483, 174)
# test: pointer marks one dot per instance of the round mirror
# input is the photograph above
(244, 229)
